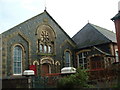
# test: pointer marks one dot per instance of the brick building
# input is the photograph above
(96, 51)
(42, 43)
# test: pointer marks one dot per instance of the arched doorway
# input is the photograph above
(45, 69)
(46, 65)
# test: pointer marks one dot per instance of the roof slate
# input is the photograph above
(109, 34)
(91, 35)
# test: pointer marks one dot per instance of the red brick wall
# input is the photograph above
(117, 26)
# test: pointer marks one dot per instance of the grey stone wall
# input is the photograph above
(25, 34)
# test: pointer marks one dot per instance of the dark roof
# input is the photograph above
(107, 33)
(117, 16)
(91, 35)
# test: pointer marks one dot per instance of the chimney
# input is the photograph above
(119, 6)
(116, 20)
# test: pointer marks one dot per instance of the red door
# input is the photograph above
(45, 69)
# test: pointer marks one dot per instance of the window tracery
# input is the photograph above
(46, 38)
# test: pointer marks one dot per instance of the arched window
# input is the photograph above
(67, 59)
(41, 48)
(17, 60)
(49, 49)
(46, 37)
(45, 49)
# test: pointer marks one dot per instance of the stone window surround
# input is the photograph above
(52, 36)
(49, 48)
(23, 58)
(70, 59)
(82, 51)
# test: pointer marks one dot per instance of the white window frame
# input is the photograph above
(21, 61)
(82, 58)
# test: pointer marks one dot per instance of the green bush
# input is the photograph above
(77, 80)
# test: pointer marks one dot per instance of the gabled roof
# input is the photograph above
(37, 17)
(91, 35)
(60, 27)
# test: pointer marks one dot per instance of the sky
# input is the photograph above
(71, 15)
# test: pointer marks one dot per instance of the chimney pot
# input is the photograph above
(119, 6)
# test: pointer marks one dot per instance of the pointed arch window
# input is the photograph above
(67, 59)
(41, 48)
(49, 49)
(45, 49)
(17, 60)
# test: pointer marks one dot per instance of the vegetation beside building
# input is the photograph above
(77, 80)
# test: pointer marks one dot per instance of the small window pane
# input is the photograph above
(80, 55)
(45, 49)
(41, 48)
(49, 49)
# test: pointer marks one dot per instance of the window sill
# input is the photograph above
(46, 54)
(17, 74)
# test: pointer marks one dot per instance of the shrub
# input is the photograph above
(77, 80)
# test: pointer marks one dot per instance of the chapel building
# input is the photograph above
(42, 45)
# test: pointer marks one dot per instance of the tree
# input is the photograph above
(77, 80)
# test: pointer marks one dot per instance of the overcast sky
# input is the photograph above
(71, 15)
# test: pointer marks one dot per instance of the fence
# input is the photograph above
(48, 81)
(15, 83)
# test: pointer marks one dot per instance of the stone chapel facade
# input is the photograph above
(39, 41)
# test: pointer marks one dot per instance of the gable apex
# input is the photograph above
(34, 22)
(91, 35)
